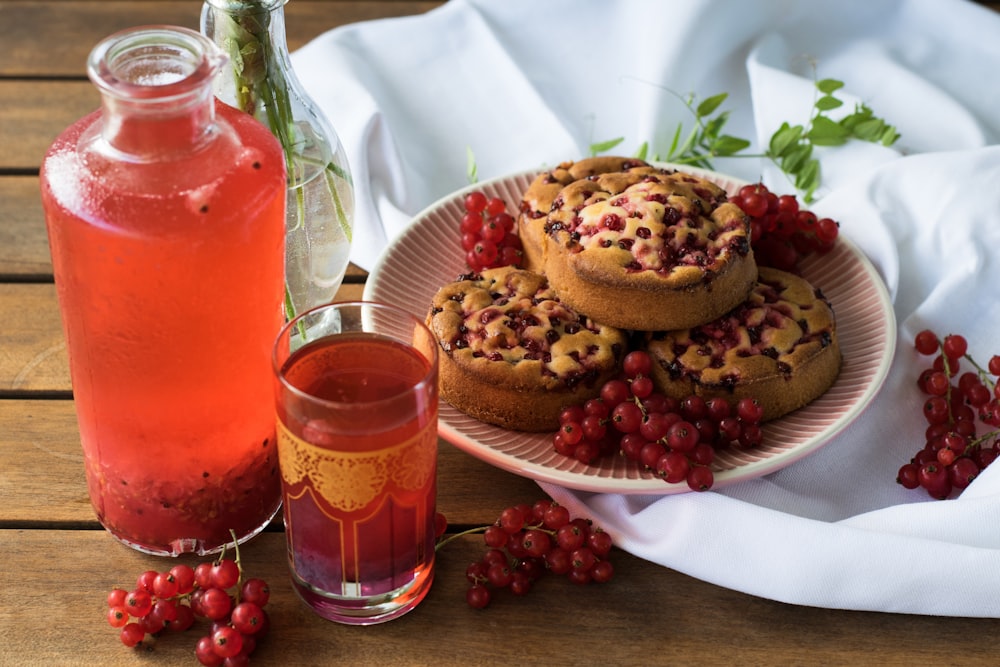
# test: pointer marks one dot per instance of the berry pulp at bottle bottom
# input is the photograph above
(359, 485)
(170, 282)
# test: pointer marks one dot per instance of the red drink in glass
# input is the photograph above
(357, 436)
(166, 228)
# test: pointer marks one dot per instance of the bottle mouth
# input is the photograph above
(154, 62)
(246, 5)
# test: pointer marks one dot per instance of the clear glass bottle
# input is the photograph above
(260, 81)
(166, 219)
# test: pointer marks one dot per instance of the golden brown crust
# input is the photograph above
(512, 354)
(537, 199)
(780, 347)
(648, 249)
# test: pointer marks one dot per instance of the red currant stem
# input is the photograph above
(638, 402)
(481, 529)
(978, 442)
(947, 392)
(451, 538)
(984, 375)
(239, 565)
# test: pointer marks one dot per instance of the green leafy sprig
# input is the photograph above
(263, 91)
(790, 147)
(705, 141)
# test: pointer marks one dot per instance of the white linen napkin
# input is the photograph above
(525, 84)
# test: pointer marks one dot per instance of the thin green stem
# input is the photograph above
(984, 375)
(452, 538)
(331, 173)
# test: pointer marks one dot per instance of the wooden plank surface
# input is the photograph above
(24, 247)
(52, 605)
(33, 353)
(66, 30)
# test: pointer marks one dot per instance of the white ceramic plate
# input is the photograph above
(428, 254)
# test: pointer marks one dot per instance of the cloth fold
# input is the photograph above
(523, 85)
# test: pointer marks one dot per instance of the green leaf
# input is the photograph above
(889, 136)
(828, 102)
(685, 148)
(784, 139)
(807, 180)
(712, 128)
(643, 150)
(793, 161)
(673, 142)
(728, 145)
(861, 113)
(710, 104)
(471, 170)
(827, 86)
(603, 146)
(863, 124)
(869, 130)
(825, 132)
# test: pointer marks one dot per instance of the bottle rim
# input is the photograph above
(246, 6)
(155, 62)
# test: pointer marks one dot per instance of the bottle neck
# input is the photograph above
(152, 130)
(252, 34)
(156, 90)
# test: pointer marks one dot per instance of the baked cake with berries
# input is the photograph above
(648, 249)
(779, 346)
(513, 354)
(536, 202)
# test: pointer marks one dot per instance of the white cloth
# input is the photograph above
(525, 84)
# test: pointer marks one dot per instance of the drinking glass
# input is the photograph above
(357, 403)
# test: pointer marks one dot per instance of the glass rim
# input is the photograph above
(430, 377)
(106, 59)
(246, 6)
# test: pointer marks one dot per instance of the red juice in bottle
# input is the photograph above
(165, 214)
(359, 460)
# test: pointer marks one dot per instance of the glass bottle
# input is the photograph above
(165, 213)
(260, 81)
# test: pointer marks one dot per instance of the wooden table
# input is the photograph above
(57, 564)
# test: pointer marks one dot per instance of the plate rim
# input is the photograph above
(572, 478)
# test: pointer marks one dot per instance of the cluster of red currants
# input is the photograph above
(489, 238)
(954, 453)
(781, 232)
(172, 600)
(528, 541)
(675, 438)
